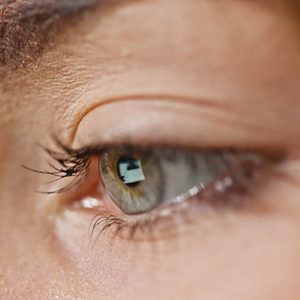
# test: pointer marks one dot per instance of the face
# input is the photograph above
(174, 125)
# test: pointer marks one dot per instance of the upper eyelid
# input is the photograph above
(100, 149)
(64, 150)
(186, 100)
(153, 98)
(126, 144)
(209, 124)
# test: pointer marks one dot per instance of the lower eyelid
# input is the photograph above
(170, 220)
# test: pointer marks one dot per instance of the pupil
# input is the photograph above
(130, 171)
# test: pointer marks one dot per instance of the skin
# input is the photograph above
(205, 74)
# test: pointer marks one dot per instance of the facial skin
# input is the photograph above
(205, 74)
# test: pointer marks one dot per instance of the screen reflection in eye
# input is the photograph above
(130, 171)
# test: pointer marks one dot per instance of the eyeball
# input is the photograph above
(133, 180)
(139, 180)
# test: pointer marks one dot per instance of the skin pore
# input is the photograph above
(204, 74)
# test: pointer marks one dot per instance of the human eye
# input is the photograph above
(150, 192)
(139, 181)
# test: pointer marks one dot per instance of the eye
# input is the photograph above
(139, 181)
(134, 180)
(130, 188)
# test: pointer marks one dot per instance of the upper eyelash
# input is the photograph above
(72, 162)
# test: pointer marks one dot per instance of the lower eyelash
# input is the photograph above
(167, 222)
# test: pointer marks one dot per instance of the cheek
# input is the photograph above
(248, 254)
(255, 255)
(248, 258)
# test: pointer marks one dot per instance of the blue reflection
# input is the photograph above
(131, 171)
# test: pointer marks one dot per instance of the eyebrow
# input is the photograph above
(26, 26)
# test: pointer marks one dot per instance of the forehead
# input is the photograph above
(197, 49)
(25, 25)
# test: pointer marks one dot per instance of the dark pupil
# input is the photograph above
(130, 171)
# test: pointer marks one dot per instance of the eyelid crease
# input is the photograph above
(202, 122)
(186, 100)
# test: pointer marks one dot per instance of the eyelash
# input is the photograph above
(148, 227)
(76, 162)
(71, 163)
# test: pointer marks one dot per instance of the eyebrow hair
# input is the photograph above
(25, 26)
